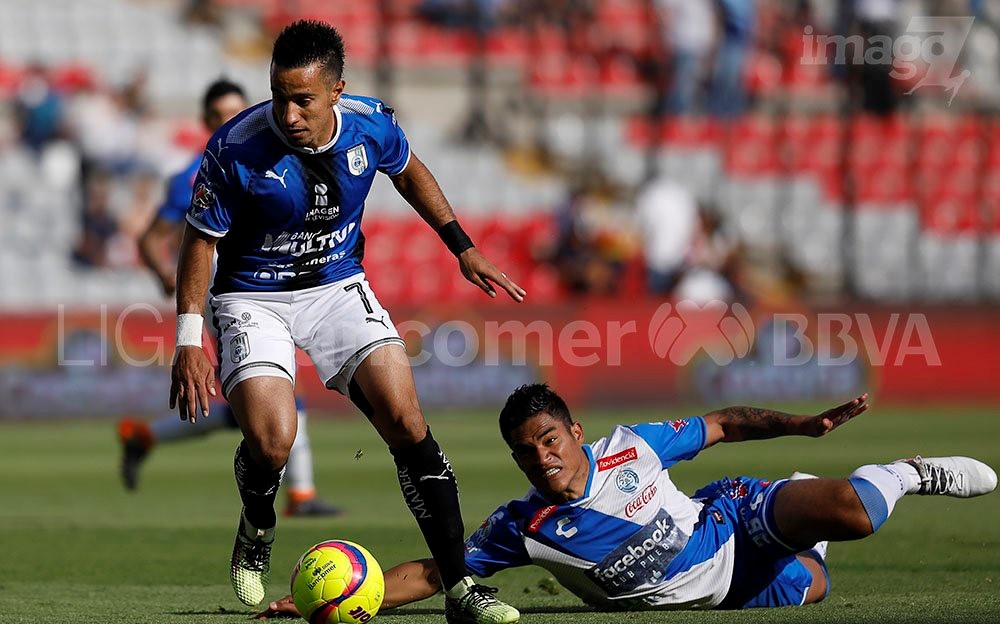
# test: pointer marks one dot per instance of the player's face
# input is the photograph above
(551, 455)
(303, 100)
(222, 109)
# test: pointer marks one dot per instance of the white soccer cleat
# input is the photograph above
(961, 477)
(799, 476)
(250, 568)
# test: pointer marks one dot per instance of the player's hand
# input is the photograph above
(279, 608)
(829, 420)
(480, 271)
(192, 380)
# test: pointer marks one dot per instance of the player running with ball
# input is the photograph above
(280, 196)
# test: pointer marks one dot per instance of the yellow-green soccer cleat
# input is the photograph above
(250, 567)
(468, 603)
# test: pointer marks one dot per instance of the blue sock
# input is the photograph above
(879, 487)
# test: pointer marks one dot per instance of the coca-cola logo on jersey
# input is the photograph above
(640, 501)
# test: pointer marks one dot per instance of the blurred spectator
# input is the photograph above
(667, 216)
(38, 108)
(98, 225)
(711, 268)
(587, 261)
(479, 14)
(876, 18)
(690, 35)
(205, 12)
(727, 96)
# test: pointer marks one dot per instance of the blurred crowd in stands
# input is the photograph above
(721, 60)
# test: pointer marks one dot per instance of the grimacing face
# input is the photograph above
(222, 109)
(550, 454)
(303, 99)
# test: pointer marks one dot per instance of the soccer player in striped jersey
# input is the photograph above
(608, 523)
(158, 247)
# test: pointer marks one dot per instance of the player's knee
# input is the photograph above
(402, 426)
(272, 451)
(852, 514)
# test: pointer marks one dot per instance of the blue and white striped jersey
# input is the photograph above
(289, 218)
(632, 541)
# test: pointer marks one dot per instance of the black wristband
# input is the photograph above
(455, 237)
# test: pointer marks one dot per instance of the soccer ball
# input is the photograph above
(337, 582)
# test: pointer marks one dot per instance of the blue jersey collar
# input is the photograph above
(306, 150)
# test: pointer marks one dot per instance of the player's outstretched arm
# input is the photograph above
(418, 187)
(192, 377)
(151, 245)
(408, 582)
(736, 424)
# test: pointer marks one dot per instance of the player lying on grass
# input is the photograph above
(608, 523)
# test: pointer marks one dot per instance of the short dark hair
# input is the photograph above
(305, 42)
(528, 401)
(218, 89)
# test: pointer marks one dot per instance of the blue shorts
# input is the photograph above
(767, 572)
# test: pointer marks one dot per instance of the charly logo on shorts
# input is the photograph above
(627, 480)
(239, 347)
(357, 159)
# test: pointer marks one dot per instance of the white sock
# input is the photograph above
(880, 486)
(909, 475)
(299, 470)
(461, 588)
(170, 428)
(820, 549)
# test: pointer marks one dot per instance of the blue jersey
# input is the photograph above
(289, 218)
(178, 197)
(632, 541)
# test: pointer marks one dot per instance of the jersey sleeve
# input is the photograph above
(674, 440)
(176, 199)
(212, 198)
(497, 544)
(395, 154)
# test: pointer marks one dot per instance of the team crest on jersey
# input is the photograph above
(357, 159)
(239, 347)
(202, 199)
(677, 425)
(627, 480)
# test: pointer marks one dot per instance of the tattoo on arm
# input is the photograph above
(755, 423)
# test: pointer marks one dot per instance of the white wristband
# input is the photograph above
(189, 328)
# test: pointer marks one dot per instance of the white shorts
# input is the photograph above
(338, 325)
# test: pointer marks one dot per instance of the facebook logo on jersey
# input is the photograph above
(642, 559)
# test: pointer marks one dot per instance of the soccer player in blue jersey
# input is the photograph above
(606, 520)
(280, 195)
(158, 247)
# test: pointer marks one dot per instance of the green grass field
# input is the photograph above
(75, 547)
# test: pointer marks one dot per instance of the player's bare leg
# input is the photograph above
(383, 388)
(812, 510)
(265, 410)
